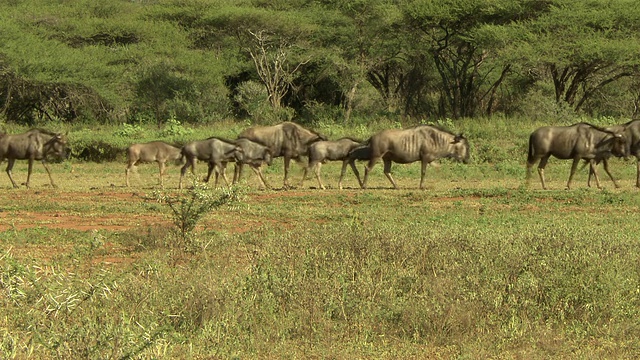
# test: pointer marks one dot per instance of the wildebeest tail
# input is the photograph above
(530, 158)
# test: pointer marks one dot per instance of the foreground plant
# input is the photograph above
(188, 208)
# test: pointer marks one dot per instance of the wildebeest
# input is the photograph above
(322, 151)
(157, 151)
(578, 141)
(214, 151)
(254, 155)
(288, 140)
(631, 132)
(35, 144)
(423, 143)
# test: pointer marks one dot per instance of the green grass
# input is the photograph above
(475, 266)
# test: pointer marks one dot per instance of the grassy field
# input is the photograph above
(475, 266)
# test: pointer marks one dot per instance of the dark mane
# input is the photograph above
(436, 127)
(597, 128)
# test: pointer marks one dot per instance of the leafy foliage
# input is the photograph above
(188, 209)
(125, 61)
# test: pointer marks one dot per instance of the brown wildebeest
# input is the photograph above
(254, 155)
(424, 143)
(577, 141)
(214, 151)
(157, 151)
(322, 151)
(287, 139)
(35, 144)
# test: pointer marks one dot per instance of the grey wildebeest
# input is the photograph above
(214, 151)
(322, 151)
(424, 143)
(631, 132)
(35, 144)
(288, 140)
(157, 151)
(578, 141)
(254, 155)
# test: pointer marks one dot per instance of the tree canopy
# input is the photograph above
(331, 60)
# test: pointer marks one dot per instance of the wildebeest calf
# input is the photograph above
(157, 151)
(214, 151)
(578, 141)
(35, 144)
(323, 151)
(254, 155)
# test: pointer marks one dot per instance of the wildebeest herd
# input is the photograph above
(257, 146)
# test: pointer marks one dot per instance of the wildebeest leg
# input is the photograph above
(310, 165)
(287, 162)
(574, 166)
(130, 165)
(209, 171)
(258, 172)
(316, 170)
(355, 171)
(190, 163)
(387, 172)
(605, 165)
(10, 163)
(305, 170)
(237, 172)
(342, 171)
(638, 172)
(221, 170)
(541, 165)
(423, 172)
(161, 168)
(592, 169)
(46, 167)
(367, 170)
(528, 177)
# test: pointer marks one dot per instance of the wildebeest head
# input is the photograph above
(619, 146)
(460, 148)
(238, 153)
(57, 146)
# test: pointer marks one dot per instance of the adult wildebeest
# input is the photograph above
(254, 155)
(578, 141)
(322, 151)
(35, 144)
(423, 143)
(157, 151)
(631, 132)
(214, 151)
(287, 139)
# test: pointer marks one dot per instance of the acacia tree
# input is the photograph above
(585, 46)
(450, 31)
(274, 66)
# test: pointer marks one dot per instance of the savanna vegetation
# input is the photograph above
(476, 266)
(267, 61)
